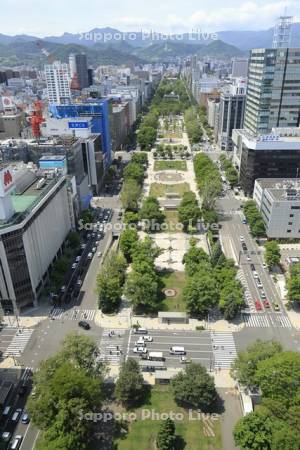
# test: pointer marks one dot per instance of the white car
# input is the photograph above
(248, 258)
(99, 254)
(255, 274)
(147, 338)
(141, 350)
(74, 265)
(77, 259)
(94, 249)
(242, 239)
(265, 266)
(140, 342)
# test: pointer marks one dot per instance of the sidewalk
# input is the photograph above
(120, 321)
(29, 318)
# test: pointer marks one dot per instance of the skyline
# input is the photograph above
(44, 19)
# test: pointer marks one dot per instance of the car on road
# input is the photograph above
(74, 265)
(79, 282)
(97, 242)
(140, 331)
(255, 274)
(242, 239)
(90, 256)
(244, 221)
(258, 305)
(77, 258)
(25, 418)
(244, 246)
(248, 258)
(147, 338)
(15, 444)
(88, 235)
(263, 295)
(140, 342)
(265, 266)
(94, 249)
(84, 325)
(140, 350)
(258, 283)
(252, 266)
(276, 306)
(16, 415)
(6, 436)
(22, 390)
(266, 303)
(83, 246)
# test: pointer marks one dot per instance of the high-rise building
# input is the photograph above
(58, 82)
(239, 67)
(78, 66)
(231, 113)
(273, 90)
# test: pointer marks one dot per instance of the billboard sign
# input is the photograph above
(76, 125)
(6, 181)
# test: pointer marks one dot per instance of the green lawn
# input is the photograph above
(160, 190)
(170, 165)
(191, 435)
(174, 280)
(172, 220)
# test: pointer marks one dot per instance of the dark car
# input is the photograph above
(84, 325)
(22, 390)
(252, 266)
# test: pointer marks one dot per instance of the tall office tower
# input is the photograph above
(78, 65)
(58, 83)
(273, 90)
(231, 113)
(239, 67)
(282, 32)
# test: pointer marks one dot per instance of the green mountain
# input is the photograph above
(30, 53)
(169, 49)
(219, 49)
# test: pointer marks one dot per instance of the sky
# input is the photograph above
(54, 17)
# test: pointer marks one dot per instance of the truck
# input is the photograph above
(156, 356)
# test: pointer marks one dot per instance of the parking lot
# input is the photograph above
(197, 345)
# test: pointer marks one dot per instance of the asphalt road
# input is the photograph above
(197, 345)
(6, 336)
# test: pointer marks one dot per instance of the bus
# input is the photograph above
(156, 356)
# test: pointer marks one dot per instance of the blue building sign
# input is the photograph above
(75, 125)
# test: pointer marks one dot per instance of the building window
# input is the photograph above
(290, 223)
(291, 215)
(289, 231)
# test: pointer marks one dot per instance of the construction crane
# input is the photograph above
(37, 118)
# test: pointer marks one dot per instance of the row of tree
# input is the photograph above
(110, 282)
(230, 171)
(188, 211)
(293, 284)
(192, 125)
(274, 424)
(134, 174)
(254, 218)
(211, 282)
(208, 180)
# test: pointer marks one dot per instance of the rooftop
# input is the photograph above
(281, 188)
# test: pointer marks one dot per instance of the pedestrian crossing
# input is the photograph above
(247, 295)
(266, 321)
(73, 314)
(19, 342)
(224, 349)
(111, 345)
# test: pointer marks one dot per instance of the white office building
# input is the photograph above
(58, 83)
(278, 200)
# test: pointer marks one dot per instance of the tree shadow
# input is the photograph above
(180, 443)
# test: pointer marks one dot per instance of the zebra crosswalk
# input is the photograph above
(73, 314)
(224, 349)
(266, 321)
(247, 295)
(111, 345)
(19, 342)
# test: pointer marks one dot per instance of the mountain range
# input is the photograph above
(111, 46)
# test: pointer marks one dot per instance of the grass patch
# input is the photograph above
(170, 165)
(172, 220)
(142, 433)
(160, 190)
(177, 281)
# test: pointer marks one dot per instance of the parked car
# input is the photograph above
(252, 266)
(276, 306)
(6, 435)
(242, 239)
(94, 249)
(16, 415)
(84, 325)
(266, 303)
(99, 254)
(255, 274)
(77, 258)
(74, 265)
(25, 418)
